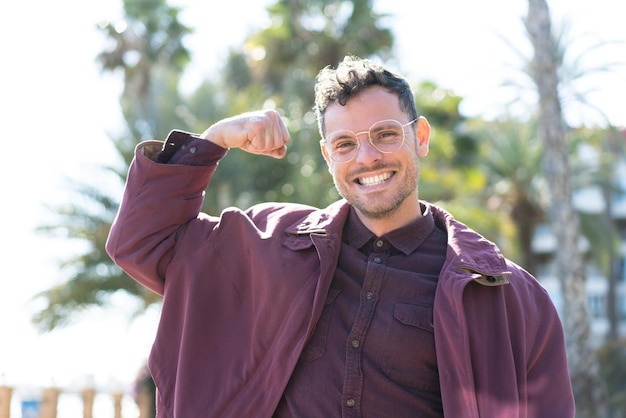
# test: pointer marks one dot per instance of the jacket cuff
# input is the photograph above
(188, 149)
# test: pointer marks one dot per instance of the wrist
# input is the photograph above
(212, 135)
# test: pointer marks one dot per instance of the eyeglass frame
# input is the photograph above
(323, 141)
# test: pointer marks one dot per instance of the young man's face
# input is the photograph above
(377, 184)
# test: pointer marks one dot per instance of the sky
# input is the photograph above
(58, 113)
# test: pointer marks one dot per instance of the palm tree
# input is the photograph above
(146, 47)
(277, 67)
(512, 159)
(569, 263)
(610, 147)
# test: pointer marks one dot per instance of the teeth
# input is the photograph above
(374, 180)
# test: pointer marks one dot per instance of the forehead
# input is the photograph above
(361, 111)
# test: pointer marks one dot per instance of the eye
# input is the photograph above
(344, 145)
(342, 141)
(386, 135)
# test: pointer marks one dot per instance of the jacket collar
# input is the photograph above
(324, 221)
(470, 252)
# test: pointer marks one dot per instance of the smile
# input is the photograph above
(374, 180)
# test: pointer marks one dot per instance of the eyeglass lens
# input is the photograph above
(386, 136)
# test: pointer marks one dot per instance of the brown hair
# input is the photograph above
(352, 76)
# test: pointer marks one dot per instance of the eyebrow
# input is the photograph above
(343, 133)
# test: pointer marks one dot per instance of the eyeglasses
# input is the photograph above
(386, 136)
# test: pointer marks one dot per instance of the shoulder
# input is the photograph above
(525, 284)
(277, 209)
(291, 217)
(269, 213)
(468, 249)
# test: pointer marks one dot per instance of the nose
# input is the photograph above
(366, 153)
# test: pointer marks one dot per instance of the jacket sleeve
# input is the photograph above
(517, 347)
(548, 379)
(158, 200)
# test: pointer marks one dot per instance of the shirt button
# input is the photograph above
(369, 295)
(350, 402)
(355, 343)
(380, 243)
(192, 150)
(377, 260)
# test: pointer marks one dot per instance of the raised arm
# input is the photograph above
(165, 187)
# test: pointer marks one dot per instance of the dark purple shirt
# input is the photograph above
(372, 353)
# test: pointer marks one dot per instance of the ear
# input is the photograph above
(422, 132)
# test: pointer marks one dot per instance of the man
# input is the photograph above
(380, 305)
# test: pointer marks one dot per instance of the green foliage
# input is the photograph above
(148, 48)
(451, 174)
(277, 69)
(511, 159)
(86, 219)
(612, 360)
(148, 45)
(472, 166)
(594, 167)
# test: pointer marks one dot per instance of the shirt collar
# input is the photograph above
(406, 239)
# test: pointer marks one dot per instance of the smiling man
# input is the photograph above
(380, 305)
(381, 185)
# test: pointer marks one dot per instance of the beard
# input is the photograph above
(381, 205)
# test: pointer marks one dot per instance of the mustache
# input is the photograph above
(366, 170)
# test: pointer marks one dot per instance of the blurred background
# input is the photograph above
(83, 82)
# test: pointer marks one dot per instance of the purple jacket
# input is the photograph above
(242, 293)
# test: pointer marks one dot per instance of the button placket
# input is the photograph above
(353, 384)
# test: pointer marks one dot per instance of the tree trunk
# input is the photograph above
(525, 216)
(588, 390)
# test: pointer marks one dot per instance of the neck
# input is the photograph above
(381, 225)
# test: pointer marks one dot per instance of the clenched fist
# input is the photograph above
(261, 132)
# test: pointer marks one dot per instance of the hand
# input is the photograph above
(262, 132)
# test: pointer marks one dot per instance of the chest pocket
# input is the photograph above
(409, 358)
